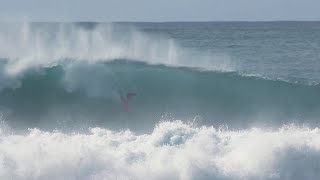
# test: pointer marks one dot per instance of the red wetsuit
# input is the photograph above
(125, 104)
(125, 101)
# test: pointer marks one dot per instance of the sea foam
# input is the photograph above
(174, 150)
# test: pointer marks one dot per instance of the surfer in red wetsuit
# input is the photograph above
(125, 100)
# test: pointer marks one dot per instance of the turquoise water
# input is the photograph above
(214, 100)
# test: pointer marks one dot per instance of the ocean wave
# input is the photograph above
(92, 91)
(173, 150)
(53, 72)
(31, 45)
(57, 80)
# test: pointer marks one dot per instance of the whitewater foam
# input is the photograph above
(67, 76)
(174, 150)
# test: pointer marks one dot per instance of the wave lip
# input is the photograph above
(33, 45)
(174, 150)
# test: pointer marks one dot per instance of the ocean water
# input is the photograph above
(214, 100)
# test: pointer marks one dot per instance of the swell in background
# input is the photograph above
(64, 78)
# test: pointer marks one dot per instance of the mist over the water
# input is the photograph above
(213, 100)
(45, 44)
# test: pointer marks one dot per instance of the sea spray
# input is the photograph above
(174, 150)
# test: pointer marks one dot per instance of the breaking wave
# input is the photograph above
(173, 150)
(59, 80)
(32, 45)
(90, 93)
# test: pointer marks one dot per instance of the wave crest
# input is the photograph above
(31, 45)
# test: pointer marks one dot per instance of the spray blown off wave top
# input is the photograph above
(198, 100)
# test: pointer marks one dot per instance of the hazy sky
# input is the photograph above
(158, 10)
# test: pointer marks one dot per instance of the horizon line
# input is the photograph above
(182, 21)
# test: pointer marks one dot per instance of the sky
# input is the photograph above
(158, 10)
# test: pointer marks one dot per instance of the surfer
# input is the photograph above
(125, 100)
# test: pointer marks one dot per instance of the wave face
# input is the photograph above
(205, 107)
(90, 93)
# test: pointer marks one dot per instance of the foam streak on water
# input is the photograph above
(173, 150)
